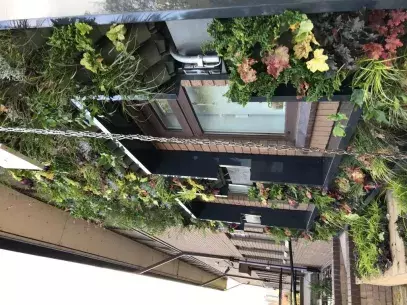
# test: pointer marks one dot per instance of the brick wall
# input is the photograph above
(345, 289)
(353, 288)
(200, 83)
(337, 269)
(376, 295)
(244, 200)
(234, 149)
(322, 127)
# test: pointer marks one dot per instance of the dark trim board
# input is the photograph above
(264, 168)
(25, 245)
(216, 9)
(284, 93)
(287, 93)
(331, 164)
(32, 248)
(295, 219)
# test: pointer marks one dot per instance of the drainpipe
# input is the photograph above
(202, 61)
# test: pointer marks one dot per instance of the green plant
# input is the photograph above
(399, 187)
(368, 232)
(101, 190)
(81, 176)
(10, 73)
(373, 139)
(281, 234)
(260, 60)
(190, 189)
(293, 194)
(116, 36)
(92, 63)
(381, 171)
(339, 128)
(402, 226)
(384, 97)
(276, 192)
(343, 36)
(323, 289)
(253, 193)
(324, 232)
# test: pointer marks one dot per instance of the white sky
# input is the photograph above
(28, 279)
(25, 9)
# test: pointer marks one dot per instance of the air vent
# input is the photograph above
(252, 219)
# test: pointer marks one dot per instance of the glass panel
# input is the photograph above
(217, 115)
(164, 111)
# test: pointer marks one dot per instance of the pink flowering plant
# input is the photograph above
(265, 52)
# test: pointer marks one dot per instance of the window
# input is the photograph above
(204, 111)
(166, 115)
(216, 115)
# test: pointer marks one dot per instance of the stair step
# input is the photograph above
(111, 145)
(127, 161)
(134, 167)
(157, 75)
(137, 34)
(118, 152)
(149, 55)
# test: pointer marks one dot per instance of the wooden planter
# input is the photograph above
(397, 273)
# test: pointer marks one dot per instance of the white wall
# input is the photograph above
(28, 279)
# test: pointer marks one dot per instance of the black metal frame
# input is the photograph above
(333, 163)
(220, 9)
(280, 288)
(293, 283)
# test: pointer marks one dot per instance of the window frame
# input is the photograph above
(289, 128)
(180, 104)
(158, 127)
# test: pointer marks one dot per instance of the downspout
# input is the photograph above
(203, 61)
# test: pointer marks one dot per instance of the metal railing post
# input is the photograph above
(290, 247)
(160, 263)
(280, 288)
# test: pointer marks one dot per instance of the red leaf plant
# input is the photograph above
(246, 72)
(389, 25)
(277, 61)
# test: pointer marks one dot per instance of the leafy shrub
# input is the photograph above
(399, 187)
(343, 36)
(384, 97)
(369, 233)
(282, 234)
(260, 60)
(323, 289)
(389, 26)
(94, 185)
(81, 176)
(293, 194)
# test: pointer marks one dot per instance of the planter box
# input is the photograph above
(397, 273)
